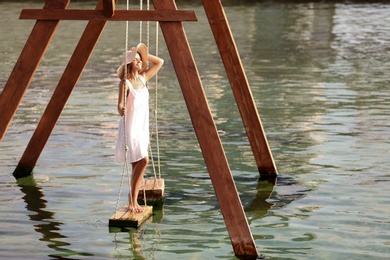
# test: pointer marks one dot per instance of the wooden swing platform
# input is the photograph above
(125, 218)
(154, 189)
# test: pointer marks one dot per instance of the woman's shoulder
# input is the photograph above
(142, 77)
(127, 84)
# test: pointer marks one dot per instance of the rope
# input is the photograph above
(156, 119)
(140, 22)
(148, 44)
(126, 165)
(120, 190)
(147, 24)
(155, 111)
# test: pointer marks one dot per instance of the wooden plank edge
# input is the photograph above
(154, 189)
(152, 184)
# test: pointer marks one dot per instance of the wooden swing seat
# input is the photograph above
(154, 189)
(125, 218)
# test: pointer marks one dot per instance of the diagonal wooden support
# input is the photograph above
(60, 96)
(241, 90)
(209, 141)
(26, 65)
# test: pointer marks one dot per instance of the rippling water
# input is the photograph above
(319, 75)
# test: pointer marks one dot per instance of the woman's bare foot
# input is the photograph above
(136, 209)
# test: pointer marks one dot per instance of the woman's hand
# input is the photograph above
(156, 66)
(121, 110)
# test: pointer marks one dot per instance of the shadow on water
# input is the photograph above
(270, 194)
(260, 205)
(267, 197)
(47, 226)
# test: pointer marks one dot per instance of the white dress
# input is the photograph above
(137, 125)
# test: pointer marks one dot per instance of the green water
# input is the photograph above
(319, 76)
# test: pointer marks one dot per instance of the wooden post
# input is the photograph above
(209, 141)
(241, 90)
(108, 7)
(27, 64)
(60, 96)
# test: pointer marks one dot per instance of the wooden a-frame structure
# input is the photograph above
(171, 25)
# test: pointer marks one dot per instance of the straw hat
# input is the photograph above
(129, 56)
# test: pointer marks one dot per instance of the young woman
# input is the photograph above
(134, 143)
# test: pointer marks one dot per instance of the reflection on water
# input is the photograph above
(318, 73)
(47, 226)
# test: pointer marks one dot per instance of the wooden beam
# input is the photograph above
(60, 96)
(27, 64)
(206, 131)
(108, 7)
(119, 15)
(241, 90)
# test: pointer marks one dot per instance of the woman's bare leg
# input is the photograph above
(138, 171)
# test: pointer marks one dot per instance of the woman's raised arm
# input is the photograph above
(156, 66)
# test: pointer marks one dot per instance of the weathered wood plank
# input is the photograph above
(119, 15)
(125, 218)
(206, 131)
(27, 64)
(241, 90)
(60, 96)
(154, 189)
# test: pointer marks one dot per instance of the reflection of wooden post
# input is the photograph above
(202, 120)
(240, 87)
(27, 64)
(60, 96)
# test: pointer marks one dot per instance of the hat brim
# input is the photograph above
(129, 57)
(143, 52)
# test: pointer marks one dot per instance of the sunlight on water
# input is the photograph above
(319, 76)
